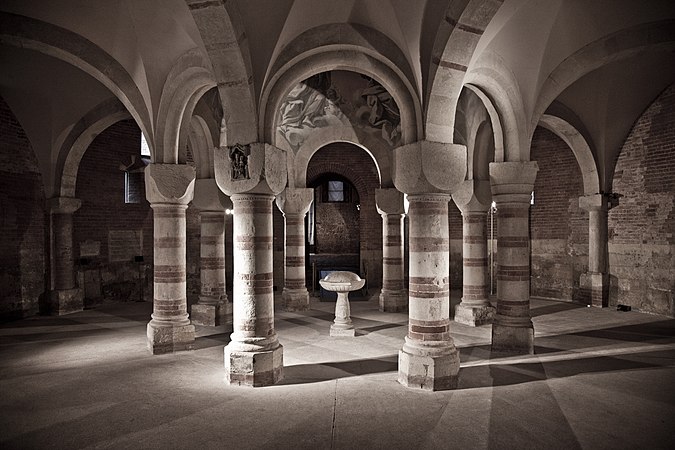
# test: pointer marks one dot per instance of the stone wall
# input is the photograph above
(109, 233)
(22, 223)
(642, 226)
(558, 227)
(360, 170)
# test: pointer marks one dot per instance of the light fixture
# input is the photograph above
(229, 211)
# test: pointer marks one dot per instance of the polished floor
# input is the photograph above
(599, 379)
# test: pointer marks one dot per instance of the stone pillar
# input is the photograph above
(429, 359)
(65, 296)
(252, 174)
(254, 356)
(473, 199)
(512, 184)
(596, 280)
(213, 308)
(294, 204)
(169, 188)
(393, 297)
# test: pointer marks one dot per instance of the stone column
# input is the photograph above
(213, 308)
(254, 356)
(169, 188)
(429, 359)
(512, 184)
(393, 297)
(252, 174)
(65, 296)
(596, 280)
(473, 199)
(294, 204)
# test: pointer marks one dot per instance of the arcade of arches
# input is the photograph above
(492, 151)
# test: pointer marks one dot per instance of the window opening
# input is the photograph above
(336, 191)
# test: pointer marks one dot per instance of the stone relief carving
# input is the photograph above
(239, 161)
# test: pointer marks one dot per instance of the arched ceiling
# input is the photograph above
(528, 54)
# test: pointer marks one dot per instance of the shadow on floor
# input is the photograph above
(553, 308)
(316, 373)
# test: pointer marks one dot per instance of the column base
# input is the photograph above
(518, 340)
(211, 315)
(597, 285)
(474, 316)
(431, 372)
(393, 301)
(295, 300)
(342, 332)
(170, 338)
(256, 369)
(66, 301)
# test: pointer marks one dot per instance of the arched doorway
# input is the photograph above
(344, 228)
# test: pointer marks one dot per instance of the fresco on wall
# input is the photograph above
(339, 98)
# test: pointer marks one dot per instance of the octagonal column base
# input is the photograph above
(342, 332)
(212, 314)
(518, 340)
(393, 301)
(256, 369)
(474, 316)
(295, 300)
(429, 372)
(170, 338)
(66, 301)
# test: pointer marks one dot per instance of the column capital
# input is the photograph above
(254, 167)
(389, 201)
(208, 197)
(426, 166)
(473, 196)
(513, 182)
(598, 202)
(295, 200)
(169, 183)
(63, 205)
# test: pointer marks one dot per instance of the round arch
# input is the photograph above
(464, 24)
(613, 47)
(188, 80)
(25, 32)
(580, 147)
(201, 144)
(73, 145)
(340, 58)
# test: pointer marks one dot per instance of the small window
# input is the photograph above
(336, 191)
(145, 148)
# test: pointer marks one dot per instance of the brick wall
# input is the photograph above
(361, 171)
(559, 228)
(642, 226)
(22, 222)
(120, 231)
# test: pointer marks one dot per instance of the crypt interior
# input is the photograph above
(182, 180)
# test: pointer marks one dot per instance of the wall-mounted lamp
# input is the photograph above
(229, 212)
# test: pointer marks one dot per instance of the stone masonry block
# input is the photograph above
(169, 339)
(254, 368)
(433, 373)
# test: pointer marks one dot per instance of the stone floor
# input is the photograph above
(599, 379)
